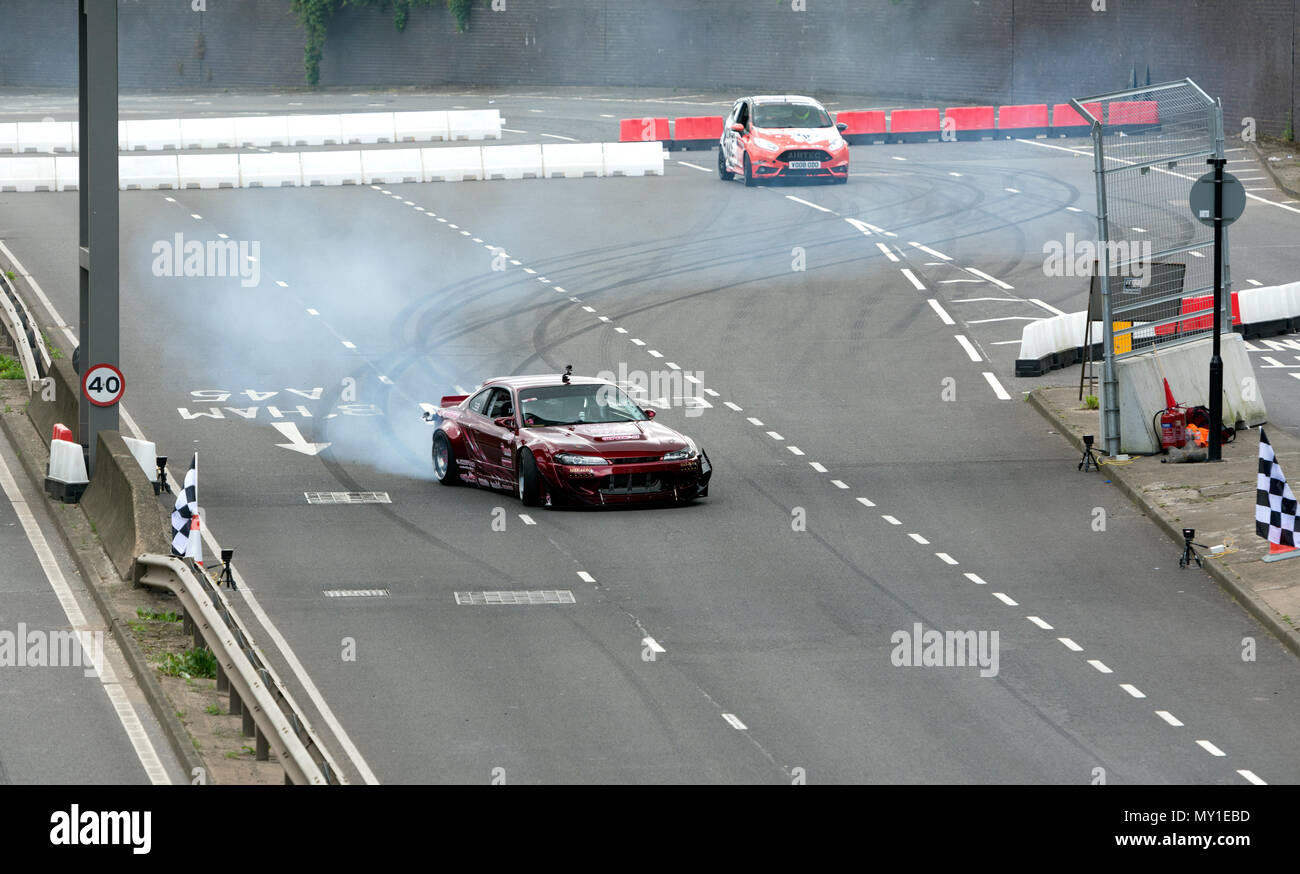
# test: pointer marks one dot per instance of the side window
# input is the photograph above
(479, 401)
(743, 116)
(500, 404)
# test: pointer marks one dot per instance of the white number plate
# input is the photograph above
(805, 165)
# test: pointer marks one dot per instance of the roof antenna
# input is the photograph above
(568, 371)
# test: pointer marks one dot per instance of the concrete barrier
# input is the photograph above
(129, 519)
(145, 453)
(1141, 388)
(331, 168)
(914, 125)
(27, 174)
(971, 122)
(864, 126)
(208, 171)
(208, 133)
(147, 172)
(67, 172)
(643, 130)
(262, 131)
(154, 134)
(474, 124)
(512, 162)
(456, 164)
(46, 136)
(65, 478)
(634, 159)
(573, 160)
(270, 170)
(314, 130)
(56, 403)
(367, 127)
(8, 136)
(390, 166)
(1027, 121)
(420, 127)
(1271, 310)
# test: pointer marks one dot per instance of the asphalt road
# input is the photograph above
(785, 632)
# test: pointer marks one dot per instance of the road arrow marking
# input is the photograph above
(297, 442)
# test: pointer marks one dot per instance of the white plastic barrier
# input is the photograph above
(314, 130)
(67, 464)
(331, 168)
(8, 136)
(208, 171)
(208, 133)
(67, 172)
(512, 162)
(452, 164)
(474, 124)
(262, 131)
(27, 174)
(46, 136)
(367, 127)
(634, 159)
(572, 160)
(390, 166)
(146, 455)
(270, 170)
(147, 171)
(153, 135)
(418, 127)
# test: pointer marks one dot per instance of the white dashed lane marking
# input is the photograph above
(1169, 718)
(1210, 748)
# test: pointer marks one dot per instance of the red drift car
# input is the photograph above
(782, 138)
(563, 440)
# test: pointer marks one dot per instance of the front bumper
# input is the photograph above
(646, 483)
(769, 166)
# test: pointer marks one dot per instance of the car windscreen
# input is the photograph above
(576, 405)
(790, 115)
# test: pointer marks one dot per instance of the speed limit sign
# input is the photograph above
(103, 385)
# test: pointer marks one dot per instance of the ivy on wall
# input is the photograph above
(315, 16)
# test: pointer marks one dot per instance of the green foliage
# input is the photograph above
(9, 368)
(315, 15)
(158, 615)
(1091, 401)
(197, 662)
(212, 710)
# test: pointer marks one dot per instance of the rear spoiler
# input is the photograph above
(452, 400)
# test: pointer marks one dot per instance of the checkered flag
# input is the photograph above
(1275, 504)
(186, 511)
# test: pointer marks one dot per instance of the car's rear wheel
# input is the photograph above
(749, 173)
(444, 461)
(527, 480)
(723, 173)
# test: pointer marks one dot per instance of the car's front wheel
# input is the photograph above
(444, 461)
(723, 173)
(749, 173)
(527, 480)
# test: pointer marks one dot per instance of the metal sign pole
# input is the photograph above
(97, 159)
(1109, 381)
(1216, 361)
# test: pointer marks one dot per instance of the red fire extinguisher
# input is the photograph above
(1173, 423)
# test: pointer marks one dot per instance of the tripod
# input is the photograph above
(1089, 461)
(1189, 553)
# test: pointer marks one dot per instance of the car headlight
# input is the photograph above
(571, 458)
(680, 455)
(766, 145)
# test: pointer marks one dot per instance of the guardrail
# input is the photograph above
(20, 325)
(255, 692)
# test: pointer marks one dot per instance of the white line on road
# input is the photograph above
(795, 449)
(586, 577)
(1250, 775)
(1132, 690)
(1210, 748)
(839, 484)
(917, 537)
(885, 249)
(969, 347)
(1100, 665)
(729, 405)
(561, 137)
(757, 423)
(733, 721)
(1005, 599)
(942, 313)
(1070, 644)
(997, 386)
(528, 520)
(929, 251)
(694, 166)
(911, 277)
(1039, 622)
(1047, 306)
(1169, 718)
(807, 203)
(817, 466)
(775, 436)
(652, 644)
(866, 503)
(982, 275)
(975, 578)
(891, 520)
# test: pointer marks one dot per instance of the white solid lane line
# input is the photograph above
(1047, 306)
(694, 166)
(929, 251)
(807, 203)
(982, 275)
(126, 714)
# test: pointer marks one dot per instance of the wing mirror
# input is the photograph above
(738, 128)
(507, 422)
(842, 127)
(649, 414)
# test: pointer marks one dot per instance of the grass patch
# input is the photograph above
(158, 615)
(213, 710)
(196, 662)
(1092, 402)
(10, 368)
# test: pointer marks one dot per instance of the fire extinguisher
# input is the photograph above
(1173, 422)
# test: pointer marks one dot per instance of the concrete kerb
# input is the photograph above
(1263, 161)
(1227, 579)
(34, 455)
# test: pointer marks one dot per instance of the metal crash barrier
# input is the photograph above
(18, 322)
(255, 693)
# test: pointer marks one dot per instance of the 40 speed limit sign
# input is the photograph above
(103, 385)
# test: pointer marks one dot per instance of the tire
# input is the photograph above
(839, 181)
(527, 480)
(723, 173)
(445, 469)
(749, 173)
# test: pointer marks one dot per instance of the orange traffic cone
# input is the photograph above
(196, 542)
(1279, 549)
(1170, 403)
